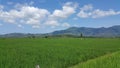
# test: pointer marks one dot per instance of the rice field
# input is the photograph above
(107, 61)
(53, 52)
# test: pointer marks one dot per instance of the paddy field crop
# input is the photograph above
(54, 52)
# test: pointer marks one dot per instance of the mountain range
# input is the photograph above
(97, 32)
(113, 31)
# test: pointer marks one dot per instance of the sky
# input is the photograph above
(44, 16)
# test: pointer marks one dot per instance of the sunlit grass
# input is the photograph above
(53, 52)
(107, 61)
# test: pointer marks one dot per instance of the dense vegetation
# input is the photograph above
(53, 52)
(107, 61)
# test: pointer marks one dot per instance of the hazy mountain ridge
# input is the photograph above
(110, 31)
(113, 31)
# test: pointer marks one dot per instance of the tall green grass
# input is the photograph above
(107, 61)
(52, 52)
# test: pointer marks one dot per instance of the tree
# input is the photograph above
(46, 36)
(32, 36)
(81, 35)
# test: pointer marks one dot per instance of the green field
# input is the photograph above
(56, 52)
(107, 61)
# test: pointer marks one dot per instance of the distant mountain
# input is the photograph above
(96, 32)
(113, 31)
(14, 35)
(20, 35)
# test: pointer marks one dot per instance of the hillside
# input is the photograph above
(103, 32)
(113, 31)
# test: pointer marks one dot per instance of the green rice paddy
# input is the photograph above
(58, 52)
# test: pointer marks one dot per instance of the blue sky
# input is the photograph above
(42, 16)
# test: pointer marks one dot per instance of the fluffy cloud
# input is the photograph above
(83, 14)
(88, 11)
(26, 15)
(52, 23)
(66, 25)
(68, 9)
(86, 7)
(29, 15)
(20, 26)
(100, 13)
(36, 26)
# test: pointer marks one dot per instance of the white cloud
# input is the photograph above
(26, 15)
(20, 26)
(68, 9)
(34, 15)
(36, 26)
(87, 11)
(19, 5)
(100, 13)
(83, 14)
(57, 15)
(86, 7)
(52, 23)
(66, 25)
